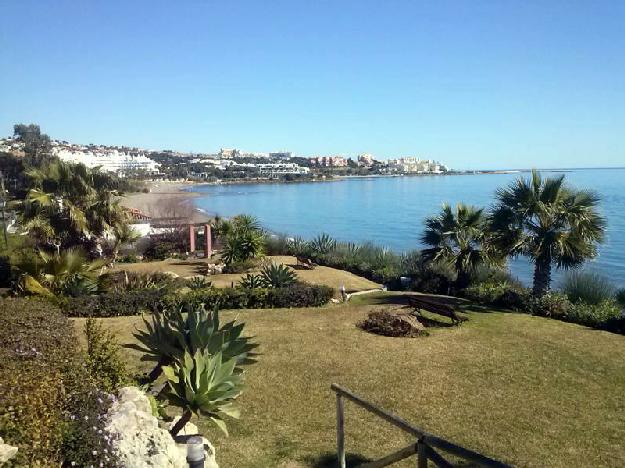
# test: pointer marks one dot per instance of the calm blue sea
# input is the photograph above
(390, 210)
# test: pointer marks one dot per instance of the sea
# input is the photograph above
(390, 211)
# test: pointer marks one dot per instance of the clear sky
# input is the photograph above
(495, 84)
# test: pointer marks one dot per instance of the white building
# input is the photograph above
(109, 160)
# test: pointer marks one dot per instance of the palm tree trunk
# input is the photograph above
(182, 422)
(462, 279)
(542, 276)
(156, 372)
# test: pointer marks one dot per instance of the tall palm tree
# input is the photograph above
(548, 222)
(457, 237)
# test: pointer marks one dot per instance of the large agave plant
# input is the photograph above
(277, 276)
(171, 334)
(203, 384)
(322, 244)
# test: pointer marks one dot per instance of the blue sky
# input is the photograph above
(476, 84)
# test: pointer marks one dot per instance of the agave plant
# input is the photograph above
(299, 247)
(198, 282)
(277, 276)
(203, 384)
(171, 334)
(322, 244)
(251, 281)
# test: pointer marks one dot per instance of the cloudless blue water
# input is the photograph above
(390, 211)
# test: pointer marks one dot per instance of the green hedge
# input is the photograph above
(298, 295)
(114, 303)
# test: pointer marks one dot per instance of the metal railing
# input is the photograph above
(423, 448)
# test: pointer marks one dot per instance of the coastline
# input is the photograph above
(163, 194)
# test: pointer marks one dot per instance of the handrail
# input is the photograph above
(424, 445)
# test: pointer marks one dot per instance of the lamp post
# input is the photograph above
(195, 452)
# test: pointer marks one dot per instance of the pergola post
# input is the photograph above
(208, 242)
(191, 238)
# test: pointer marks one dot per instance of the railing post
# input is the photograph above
(422, 457)
(340, 431)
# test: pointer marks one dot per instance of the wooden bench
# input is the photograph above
(419, 303)
(304, 262)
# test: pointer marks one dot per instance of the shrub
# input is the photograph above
(115, 303)
(36, 348)
(297, 295)
(552, 304)
(103, 361)
(277, 244)
(594, 315)
(130, 258)
(277, 276)
(240, 266)
(131, 281)
(47, 401)
(502, 294)
(590, 288)
(300, 295)
(160, 249)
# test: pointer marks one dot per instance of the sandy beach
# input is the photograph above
(166, 199)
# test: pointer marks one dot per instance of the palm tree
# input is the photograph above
(68, 272)
(457, 237)
(123, 234)
(548, 222)
(69, 204)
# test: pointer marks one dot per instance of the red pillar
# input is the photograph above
(191, 238)
(208, 242)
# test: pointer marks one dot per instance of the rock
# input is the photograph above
(6, 452)
(139, 441)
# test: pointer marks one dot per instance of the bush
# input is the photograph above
(36, 349)
(502, 294)
(46, 397)
(240, 266)
(115, 303)
(277, 244)
(298, 295)
(103, 361)
(160, 249)
(587, 287)
(131, 281)
(552, 304)
(602, 315)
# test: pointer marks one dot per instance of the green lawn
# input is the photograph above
(527, 390)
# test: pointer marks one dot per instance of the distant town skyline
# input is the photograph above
(479, 85)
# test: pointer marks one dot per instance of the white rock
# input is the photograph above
(8, 451)
(138, 439)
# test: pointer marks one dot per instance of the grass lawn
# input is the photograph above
(527, 390)
(320, 275)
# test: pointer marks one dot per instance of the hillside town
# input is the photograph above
(228, 163)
